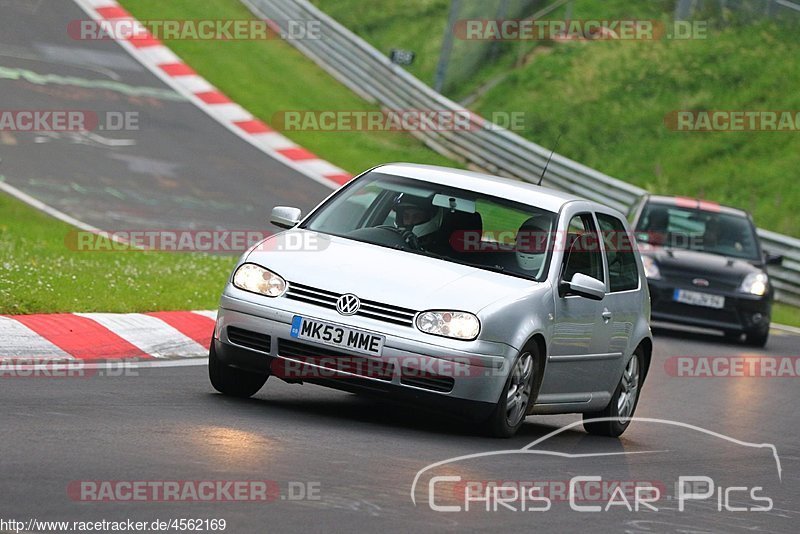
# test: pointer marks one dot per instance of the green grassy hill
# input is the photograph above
(609, 99)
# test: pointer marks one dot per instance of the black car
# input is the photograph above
(705, 266)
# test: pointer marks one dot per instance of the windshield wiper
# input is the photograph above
(493, 268)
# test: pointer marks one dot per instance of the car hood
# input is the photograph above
(701, 264)
(382, 274)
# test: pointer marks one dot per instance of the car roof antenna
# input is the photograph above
(548, 160)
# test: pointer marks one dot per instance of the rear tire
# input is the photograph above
(623, 402)
(231, 381)
(517, 396)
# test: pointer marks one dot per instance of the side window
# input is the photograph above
(582, 249)
(623, 274)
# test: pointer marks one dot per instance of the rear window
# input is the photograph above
(623, 271)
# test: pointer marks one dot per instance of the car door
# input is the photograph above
(579, 346)
(622, 304)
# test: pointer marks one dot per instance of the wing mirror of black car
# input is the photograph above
(773, 259)
(285, 217)
(584, 286)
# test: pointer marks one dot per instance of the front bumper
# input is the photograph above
(742, 313)
(467, 376)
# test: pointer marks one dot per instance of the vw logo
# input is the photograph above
(702, 282)
(348, 304)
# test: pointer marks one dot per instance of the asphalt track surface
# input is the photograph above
(358, 458)
(180, 169)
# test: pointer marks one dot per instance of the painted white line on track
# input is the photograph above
(786, 328)
(49, 210)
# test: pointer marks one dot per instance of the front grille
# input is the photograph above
(335, 360)
(249, 339)
(369, 308)
(685, 278)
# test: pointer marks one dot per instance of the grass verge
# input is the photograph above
(785, 314)
(40, 274)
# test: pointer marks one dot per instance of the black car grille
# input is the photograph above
(685, 278)
(441, 384)
(371, 309)
(335, 360)
(249, 339)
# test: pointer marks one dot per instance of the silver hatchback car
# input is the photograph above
(472, 294)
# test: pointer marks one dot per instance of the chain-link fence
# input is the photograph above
(729, 12)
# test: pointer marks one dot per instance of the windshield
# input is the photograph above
(433, 220)
(694, 229)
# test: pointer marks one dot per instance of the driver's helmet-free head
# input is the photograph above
(417, 214)
(531, 244)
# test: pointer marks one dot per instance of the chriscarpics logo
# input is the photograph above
(667, 469)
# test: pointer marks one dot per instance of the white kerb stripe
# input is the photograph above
(230, 112)
(96, 4)
(272, 141)
(193, 83)
(211, 314)
(150, 334)
(322, 167)
(159, 55)
(19, 341)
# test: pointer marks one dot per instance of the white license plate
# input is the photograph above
(695, 298)
(337, 336)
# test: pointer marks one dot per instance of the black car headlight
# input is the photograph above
(755, 284)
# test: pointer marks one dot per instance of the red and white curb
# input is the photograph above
(107, 336)
(162, 62)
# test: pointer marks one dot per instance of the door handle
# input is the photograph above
(606, 315)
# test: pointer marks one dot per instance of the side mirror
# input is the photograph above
(773, 259)
(285, 217)
(585, 286)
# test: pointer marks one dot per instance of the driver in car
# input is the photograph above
(418, 218)
(531, 246)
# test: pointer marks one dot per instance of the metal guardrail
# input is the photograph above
(370, 74)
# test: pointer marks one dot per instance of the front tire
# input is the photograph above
(231, 381)
(756, 339)
(623, 403)
(517, 396)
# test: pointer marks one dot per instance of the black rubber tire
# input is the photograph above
(231, 381)
(756, 339)
(497, 425)
(732, 336)
(614, 427)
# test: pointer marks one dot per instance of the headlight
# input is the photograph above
(459, 325)
(256, 279)
(651, 268)
(755, 284)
